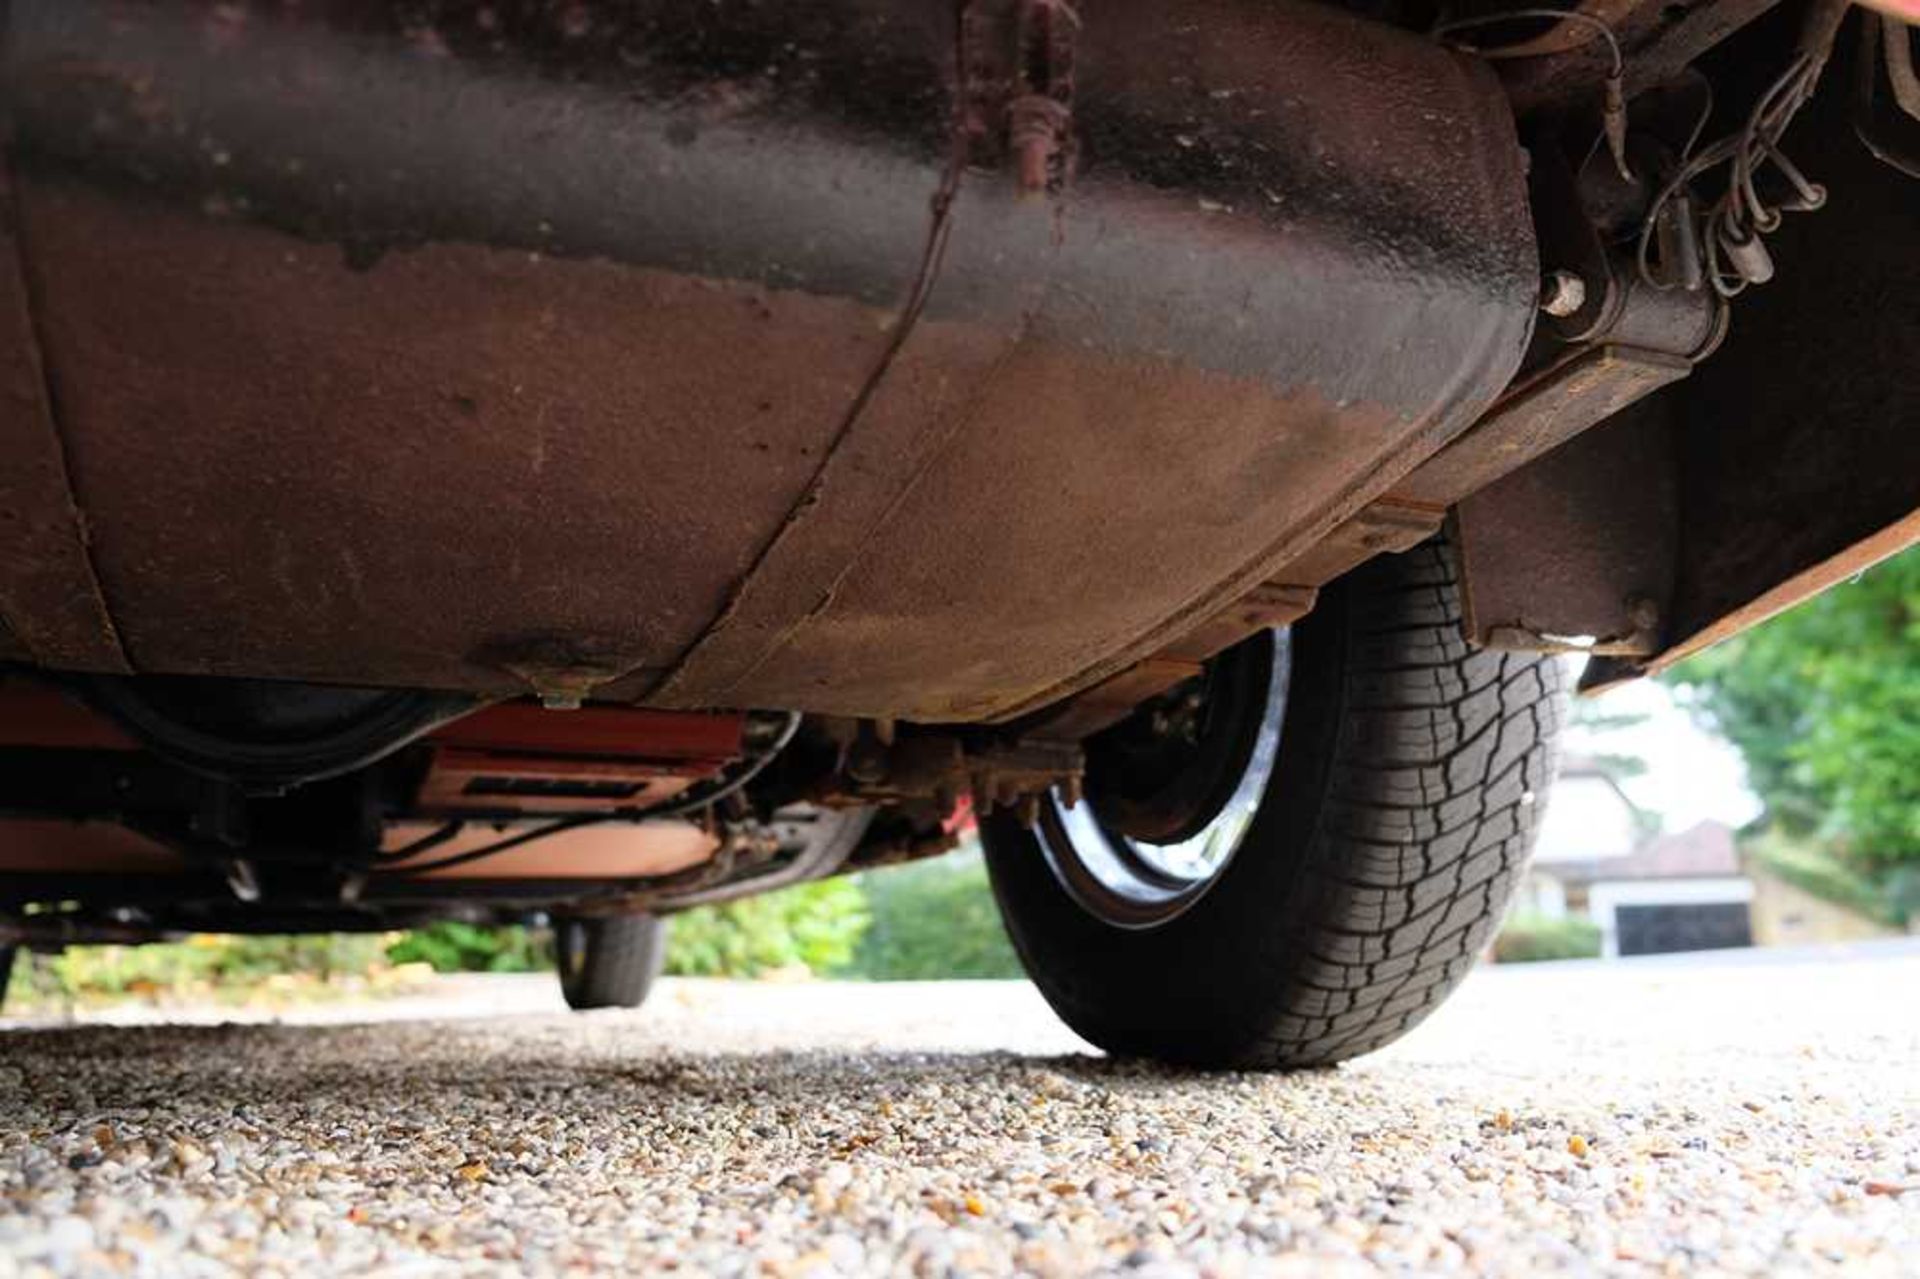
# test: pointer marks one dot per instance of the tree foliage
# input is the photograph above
(1825, 876)
(1824, 704)
(815, 926)
(453, 946)
(934, 920)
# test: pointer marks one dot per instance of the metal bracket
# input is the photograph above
(1018, 98)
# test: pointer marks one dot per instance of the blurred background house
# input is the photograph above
(1604, 862)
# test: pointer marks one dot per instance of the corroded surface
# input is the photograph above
(485, 346)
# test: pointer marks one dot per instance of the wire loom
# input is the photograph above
(1613, 107)
(1721, 245)
(1731, 230)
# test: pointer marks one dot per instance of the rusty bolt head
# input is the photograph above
(867, 763)
(1036, 125)
(1562, 293)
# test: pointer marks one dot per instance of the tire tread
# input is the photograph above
(624, 955)
(1453, 748)
(1382, 857)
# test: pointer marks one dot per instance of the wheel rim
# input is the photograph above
(1134, 881)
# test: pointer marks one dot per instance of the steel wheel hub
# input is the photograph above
(1173, 791)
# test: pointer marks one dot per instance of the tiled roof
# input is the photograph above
(1702, 851)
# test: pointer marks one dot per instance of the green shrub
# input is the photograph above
(201, 966)
(454, 947)
(816, 926)
(1527, 938)
(1823, 701)
(932, 920)
(1884, 896)
(1902, 887)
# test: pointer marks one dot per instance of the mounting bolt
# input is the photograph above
(867, 762)
(1562, 293)
(1036, 125)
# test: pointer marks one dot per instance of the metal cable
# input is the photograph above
(1613, 101)
(1731, 228)
(1442, 30)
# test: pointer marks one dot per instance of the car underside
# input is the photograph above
(499, 460)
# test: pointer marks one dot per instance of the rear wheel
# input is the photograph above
(1293, 860)
(608, 962)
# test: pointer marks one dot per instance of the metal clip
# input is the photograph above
(1748, 258)
(1040, 114)
(1677, 233)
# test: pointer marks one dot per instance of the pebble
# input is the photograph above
(827, 1130)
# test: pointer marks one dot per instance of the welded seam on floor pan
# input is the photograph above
(51, 598)
(933, 254)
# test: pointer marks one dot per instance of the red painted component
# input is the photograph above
(514, 757)
(520, 757)
(603, 732)
(36, 715)
(58, 846)
(619, 850)
(463, 780)
(962, 820)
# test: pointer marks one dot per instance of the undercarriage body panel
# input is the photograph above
(494, 460)
(725, 355)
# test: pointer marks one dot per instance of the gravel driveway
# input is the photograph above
(1759, 1117)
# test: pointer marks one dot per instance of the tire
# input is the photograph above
(1393, 826)
(608, 962)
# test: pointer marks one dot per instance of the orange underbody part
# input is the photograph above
(503, 760)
